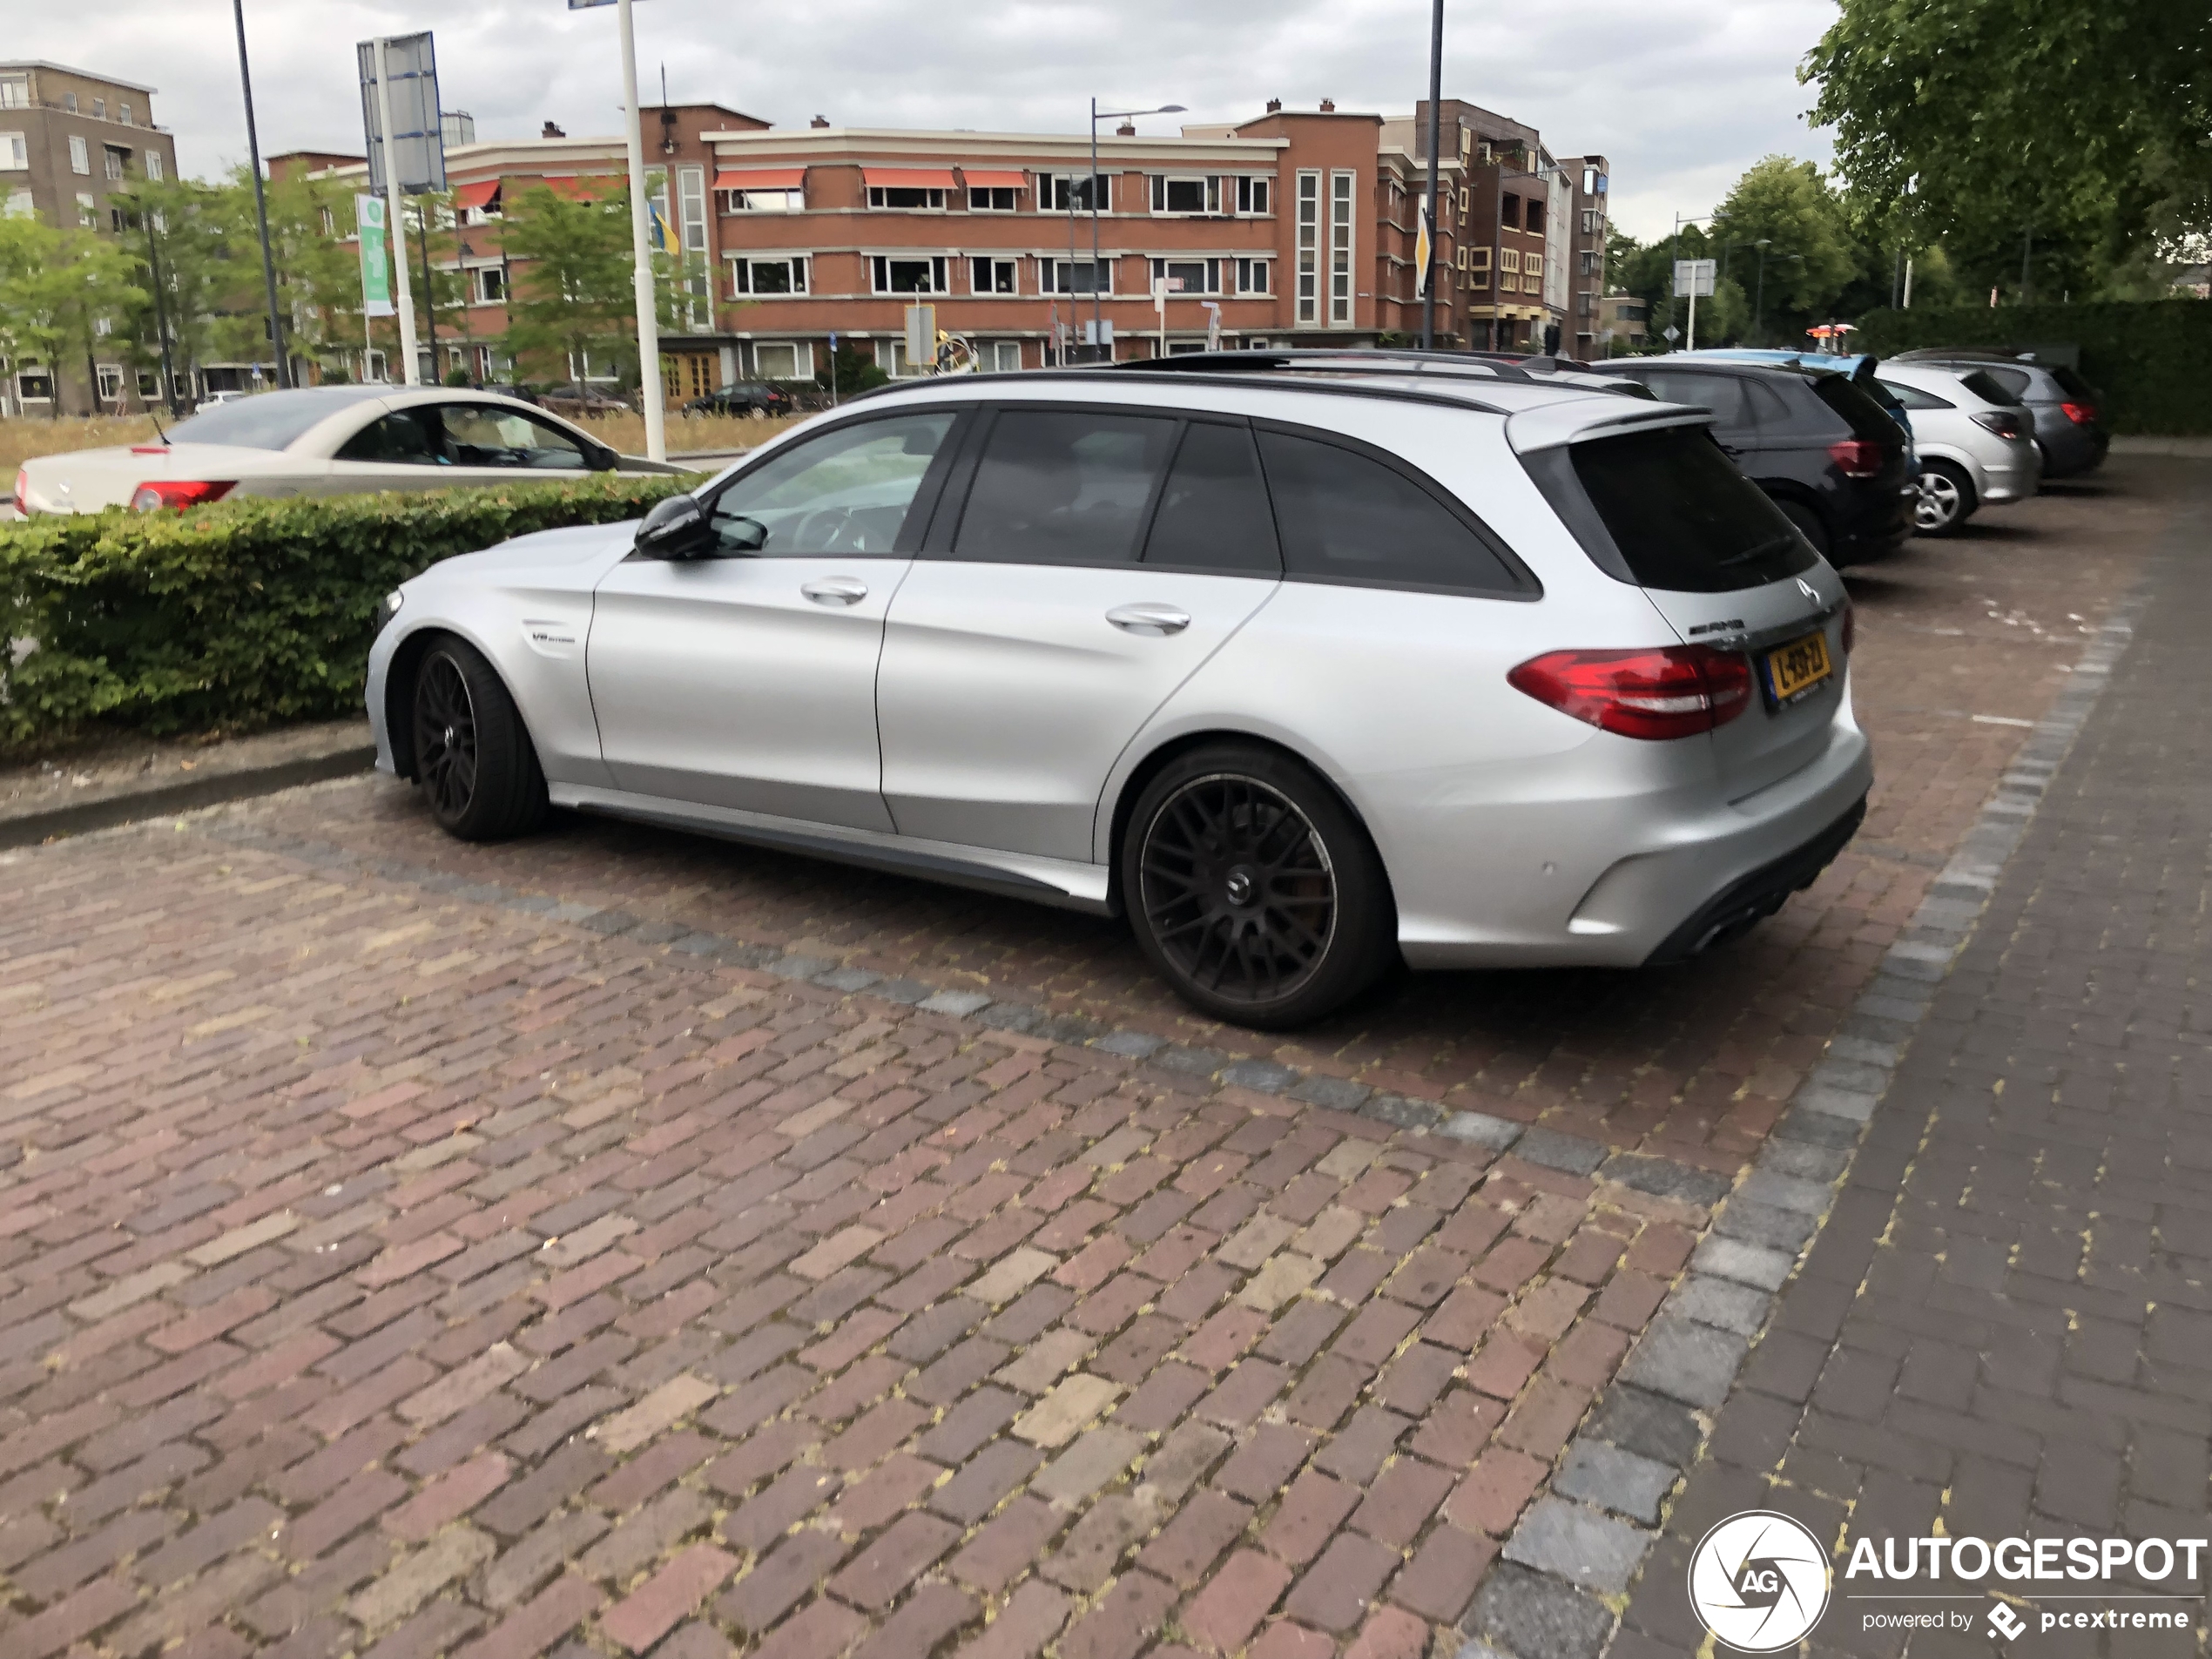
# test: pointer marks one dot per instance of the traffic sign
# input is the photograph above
(1693, 277)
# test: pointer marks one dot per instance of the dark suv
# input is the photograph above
(756, 398)
(1830, 458)
(2068, 411)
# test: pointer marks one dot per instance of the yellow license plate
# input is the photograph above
(1794, 669)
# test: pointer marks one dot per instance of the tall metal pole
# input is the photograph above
(160, 313)
(429, 294)
(1758, 311)
(261, 201)
(1096, 331)
(410, 370)
(1435, 127)
(640, 252)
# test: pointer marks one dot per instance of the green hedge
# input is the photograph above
(243, 614)
(2151, 359)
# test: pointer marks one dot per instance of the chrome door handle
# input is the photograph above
(836, 590)
(1149, 620)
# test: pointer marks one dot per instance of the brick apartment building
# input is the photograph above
(1298, 228)
(69, 141)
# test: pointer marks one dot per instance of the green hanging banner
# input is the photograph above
(376, 269)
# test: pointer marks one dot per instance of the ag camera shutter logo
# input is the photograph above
(1760, 1581)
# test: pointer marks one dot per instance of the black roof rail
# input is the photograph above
(1344, 359)
(1152, 369)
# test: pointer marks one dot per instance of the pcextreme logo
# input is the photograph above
(1760, 1581)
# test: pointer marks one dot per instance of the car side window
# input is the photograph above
(847, 491)
(1769, 405)
(1214, 514)
(405, 437)
(1346, 517)
(2015, 380)
(1722, 394)
(1064, 486)
(483, 434)
(1913, 398)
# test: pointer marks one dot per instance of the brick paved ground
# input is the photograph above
(2005, 1328)
(385, 1268)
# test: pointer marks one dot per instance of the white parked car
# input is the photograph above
(1976, 442)
(1306, 667)
(323, 440)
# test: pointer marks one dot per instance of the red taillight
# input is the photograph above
(157, 492)
(1670, 692)
(1858, 457)
(1851, 626)
(2006, 423)
(2079, 414)
(23, 489)
(149, 448)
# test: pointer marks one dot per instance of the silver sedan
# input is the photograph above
(1976, 443)
(1307, 668)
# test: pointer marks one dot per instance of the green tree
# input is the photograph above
(573, 293)
(1811, 256)
(2084, 125)
(65, 293)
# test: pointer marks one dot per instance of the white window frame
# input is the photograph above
(80, 156)
(15, 152)
(1248, 269)
(18, 205)
(15, 91)
(993, 265)
(1000, 350)
(1509, 261)
(112, 162)
(88, 211)
(1209, 187)
(790, 199)
(1048, 275)
(802, 359)
(1209, 279)
(1342, 246)
(155, 168)
(1309, 246)
(1253, 195)
(123, 114)
(481, 278)
(800, 269)
(1053, 198)
(879, 199)
(880, 272)
(691, 198)
(1012, 194)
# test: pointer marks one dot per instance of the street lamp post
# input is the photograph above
(1091, 189)
(1435, 127)
(261, 203)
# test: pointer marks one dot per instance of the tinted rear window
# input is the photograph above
(2069, 382)
(1866, 418)
(1346, 517)
(1063, 488)
(1666, 510)
(267, 421)
(1213, 515)
(1993, 386)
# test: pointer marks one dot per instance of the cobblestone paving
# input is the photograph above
(2004, 1330)
(394, 1262)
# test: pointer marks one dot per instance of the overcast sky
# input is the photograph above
(1680, 95)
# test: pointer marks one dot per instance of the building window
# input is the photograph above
(890, 274)
(783, 360)
(80, 157)
(1253, 276)
(891, 358)
(992, 199)
(1002, 357)
(1074, 276)
(110, 383)
(1340, 187)
(488, 285)
(908, 196)
(787, 274)
(88, 211)
(1532, 219)
(15, 154)
(1251, 196)
(115, 160)
(149, 385)
(1509, 259)
(15, 91)
(990, 276)
(1200, 195)
(123, 114)
(1188, 276)
(19, 204)
(1593, 220)
(69, 102)
(1309, 247)
(691, 203)
(99, 108)
(1585, 302)
(765, 201)
(1510, 211)
(1064, 192)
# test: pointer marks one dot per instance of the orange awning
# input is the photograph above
(908, 177)
(986, 178)
(479, 194)
(762, 179)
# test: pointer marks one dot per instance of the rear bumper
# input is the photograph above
(1878, 523)
(1750, 899)
(2069, 450)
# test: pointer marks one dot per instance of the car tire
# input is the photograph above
(1947, 499)
(1253, 889)
(473, 755)
(1808, 524)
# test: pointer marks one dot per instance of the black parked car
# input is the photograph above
(1830, 456)
(2068, 411)
(756, 398)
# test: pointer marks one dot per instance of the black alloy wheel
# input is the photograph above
(473, 755)
(1253, 889)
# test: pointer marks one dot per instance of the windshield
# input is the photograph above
(1866, 418)
(1668, 509)
(2071, 383)
(270, 421)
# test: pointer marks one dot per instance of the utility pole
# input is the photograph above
(1093, 190)
(160, 312)
(640, 253)
(260, 204)
(403, 302)
(1435, 127)
(429, 290)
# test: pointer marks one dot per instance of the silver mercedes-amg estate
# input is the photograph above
(1305, 663)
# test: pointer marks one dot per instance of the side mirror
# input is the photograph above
(604, 459)
(675, 528)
